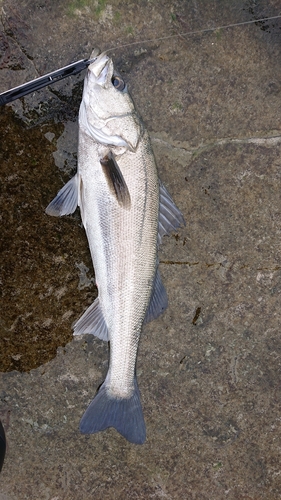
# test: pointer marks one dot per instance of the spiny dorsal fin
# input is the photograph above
(115, 180)
(170, 217)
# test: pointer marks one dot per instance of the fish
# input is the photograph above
(126, 210)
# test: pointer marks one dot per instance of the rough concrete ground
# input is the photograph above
(209, 368)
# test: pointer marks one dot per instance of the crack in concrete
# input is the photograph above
(219, 264)
(259, 141)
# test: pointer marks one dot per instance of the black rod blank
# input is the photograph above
(43, 81)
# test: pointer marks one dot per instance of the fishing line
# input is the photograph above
(74, 68)
(196, 32)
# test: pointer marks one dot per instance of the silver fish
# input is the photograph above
(125, 211)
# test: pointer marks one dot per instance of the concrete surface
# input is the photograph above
(209, 368)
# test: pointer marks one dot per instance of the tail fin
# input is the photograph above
(123, 414)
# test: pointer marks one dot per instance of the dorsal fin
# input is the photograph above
(170, 217)
(158, 301)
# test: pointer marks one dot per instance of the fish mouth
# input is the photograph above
(99, 68)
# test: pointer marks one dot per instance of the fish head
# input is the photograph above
(107, 112)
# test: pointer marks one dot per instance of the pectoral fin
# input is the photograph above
(115, 180)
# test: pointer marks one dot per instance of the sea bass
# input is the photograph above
(125, 211)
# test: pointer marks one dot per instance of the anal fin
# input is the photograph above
(93, 322)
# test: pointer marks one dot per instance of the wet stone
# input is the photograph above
(40, 279)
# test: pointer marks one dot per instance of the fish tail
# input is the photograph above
(125, 415)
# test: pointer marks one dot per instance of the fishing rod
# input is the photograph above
(76, 67)
(43, 81)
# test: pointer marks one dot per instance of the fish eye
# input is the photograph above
(118, 83)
